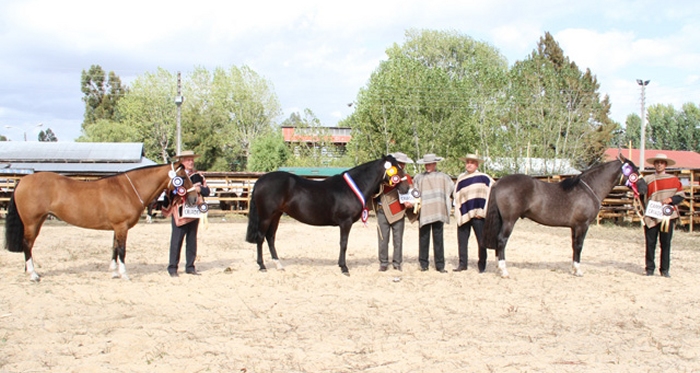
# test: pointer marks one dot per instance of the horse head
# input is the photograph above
(180, 183)
(630, 175)
(394, 174)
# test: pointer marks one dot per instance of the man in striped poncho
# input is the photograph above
(471, 194)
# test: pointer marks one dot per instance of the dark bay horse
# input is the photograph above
(572, 203)
(111, 203)
(339, 200)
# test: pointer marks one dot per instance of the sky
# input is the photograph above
(319, 54)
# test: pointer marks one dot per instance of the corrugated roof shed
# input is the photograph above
(73, 157)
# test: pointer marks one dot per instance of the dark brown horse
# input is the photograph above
(111, 203)
(573, 203)
(339, 200)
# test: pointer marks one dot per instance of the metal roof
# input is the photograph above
(72, 157)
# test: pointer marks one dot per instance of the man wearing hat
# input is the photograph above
(391, 214)
(471, 194)
(181, 227)
(436, 204)
(667, 190)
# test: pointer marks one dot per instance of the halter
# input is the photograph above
(589, 189)
(134, 188)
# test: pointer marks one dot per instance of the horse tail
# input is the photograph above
(493, 222)
(14, 228)
(253, 233)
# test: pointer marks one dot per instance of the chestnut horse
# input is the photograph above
(339, 200)
(113, 203)
(572, 203)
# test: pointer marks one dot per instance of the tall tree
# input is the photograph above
(558, 109)
(436, 93)
(147, 113)
(689, 124)
(101, 93)
(633, 131)
(248, 104)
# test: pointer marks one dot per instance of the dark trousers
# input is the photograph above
(438, 245)
(385, 231)
(463, 233)
(178, 234)
(651, 235)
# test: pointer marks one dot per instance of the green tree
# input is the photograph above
(101, 93)
(664, 131)
(246, 107)
(633, 131)
(436, 93)
(268, 152)
(689, 125)
(557, 110)
(47, 136)
(147, 113)
(104, 130)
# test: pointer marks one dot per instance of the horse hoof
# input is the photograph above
(346, 273)
(263, 269)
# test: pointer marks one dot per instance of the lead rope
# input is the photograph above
(135, 191)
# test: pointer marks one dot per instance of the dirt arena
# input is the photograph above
(311, 318)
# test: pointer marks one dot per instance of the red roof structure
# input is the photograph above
(684, 159)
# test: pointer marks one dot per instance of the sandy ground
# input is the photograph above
(311, 318)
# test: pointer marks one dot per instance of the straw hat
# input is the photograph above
(401, 157)
(429, 158)
(472, 157)
(661, 157)
(186, 153)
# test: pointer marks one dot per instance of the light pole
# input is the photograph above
(24, 130)
(178, 101)
(642, 83)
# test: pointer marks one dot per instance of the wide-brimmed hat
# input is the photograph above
(401, 157)
(472, 157)
(661, 157)
(186, 153)
(429, 158)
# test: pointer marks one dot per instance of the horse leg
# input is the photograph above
(344, 233)
(577, 236)
(30, 234)
(271, 234)
(119, 254)
(261, 262)
(503, 237)
(29, 262)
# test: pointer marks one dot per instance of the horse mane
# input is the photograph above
(571, 182)
(133, 169)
